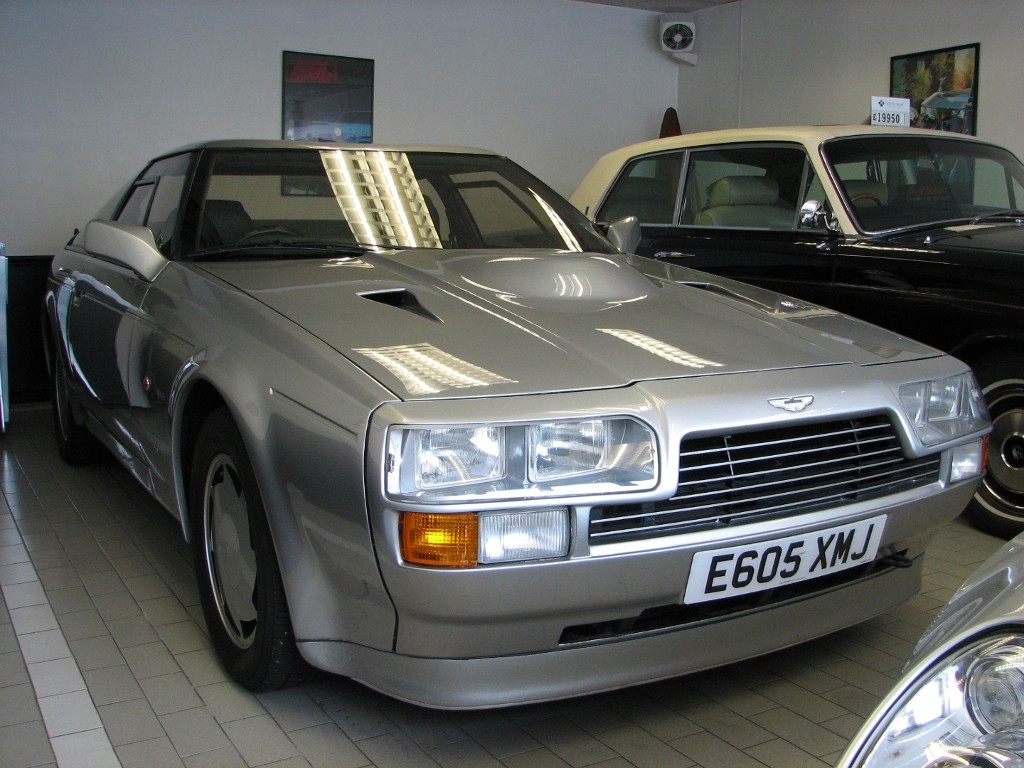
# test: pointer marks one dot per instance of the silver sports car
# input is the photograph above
(427, 428)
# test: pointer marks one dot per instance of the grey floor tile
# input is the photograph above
(325, 746)
(12, 669)
(154, 753)
(259, 740)
(193, 731)
(96, 653)
(225, 757)
(128, 722)
(25, 745)
(170, 693)
(228, 702)
(150, 660)
(112, 684)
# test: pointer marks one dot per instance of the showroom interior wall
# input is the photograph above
(781, 62)
(90, 91)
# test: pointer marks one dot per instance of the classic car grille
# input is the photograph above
(724, 479)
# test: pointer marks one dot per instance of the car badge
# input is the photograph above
(792, 404)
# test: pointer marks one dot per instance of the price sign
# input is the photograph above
(887, 110)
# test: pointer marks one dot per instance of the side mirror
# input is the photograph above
(625, 234)
(129, 245)
(814, 215)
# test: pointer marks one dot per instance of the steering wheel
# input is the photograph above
(869, 197)
(266, 233)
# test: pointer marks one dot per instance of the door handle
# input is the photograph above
(672, 255)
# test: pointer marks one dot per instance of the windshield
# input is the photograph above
(298, 199)
(896, 182)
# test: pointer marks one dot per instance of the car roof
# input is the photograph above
(809, 135)
(287, 144)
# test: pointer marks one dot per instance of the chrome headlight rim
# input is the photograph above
(966, 661)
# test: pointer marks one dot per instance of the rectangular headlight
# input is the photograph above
(515, 536)
(466, 462)
(944, 409)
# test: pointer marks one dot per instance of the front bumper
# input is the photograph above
(469, 683)
(486, 637)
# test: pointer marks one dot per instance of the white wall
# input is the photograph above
(90, 90)
(779, 62)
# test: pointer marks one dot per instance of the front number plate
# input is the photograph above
(721, 573)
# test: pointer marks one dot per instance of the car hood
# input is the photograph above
(432, 323)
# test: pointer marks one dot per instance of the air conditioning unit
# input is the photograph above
(677, 35)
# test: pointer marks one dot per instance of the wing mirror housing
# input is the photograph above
(814, 215)
(128, 245)
(625, 234)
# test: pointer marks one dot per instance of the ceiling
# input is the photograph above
(663, 6)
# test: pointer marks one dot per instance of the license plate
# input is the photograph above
(741, 570)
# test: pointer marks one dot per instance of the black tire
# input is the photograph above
(74, 442)
(998, 504)
(236, 566)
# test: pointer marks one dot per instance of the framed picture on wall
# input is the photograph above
(942, 86)
(327, 98)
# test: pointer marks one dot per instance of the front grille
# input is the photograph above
(725, 479)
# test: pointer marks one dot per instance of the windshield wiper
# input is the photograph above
(1007, 213)
(274, 249)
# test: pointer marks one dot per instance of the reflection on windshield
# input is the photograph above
(380, 198)
(273, 199)
(898, 182)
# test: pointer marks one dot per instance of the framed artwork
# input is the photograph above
(942, 86)
(327, 98)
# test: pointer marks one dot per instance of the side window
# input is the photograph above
(136, 207)
(748, 187)
(646, 189)
(153, 201)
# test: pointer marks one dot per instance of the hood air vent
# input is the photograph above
(401, 298)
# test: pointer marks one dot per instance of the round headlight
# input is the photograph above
(964, 709)
(995, 689)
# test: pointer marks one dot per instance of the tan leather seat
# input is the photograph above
(745, 201)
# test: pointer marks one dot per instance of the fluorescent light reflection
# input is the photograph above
(660, 349)
(380, 198)
(424, 369)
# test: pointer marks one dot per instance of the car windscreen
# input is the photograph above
(371, 198)
(895, 182)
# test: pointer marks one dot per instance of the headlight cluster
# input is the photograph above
(486, 463)
(440, 464)
(944, 409)
(967, 710)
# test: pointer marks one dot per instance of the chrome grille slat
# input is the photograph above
(725, 479)
(885, 461)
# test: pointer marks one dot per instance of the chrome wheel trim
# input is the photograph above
(230, 556)
(1002, 489)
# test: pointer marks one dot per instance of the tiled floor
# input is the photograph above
(104, 662)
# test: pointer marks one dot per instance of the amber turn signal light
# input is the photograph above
(440, 540)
